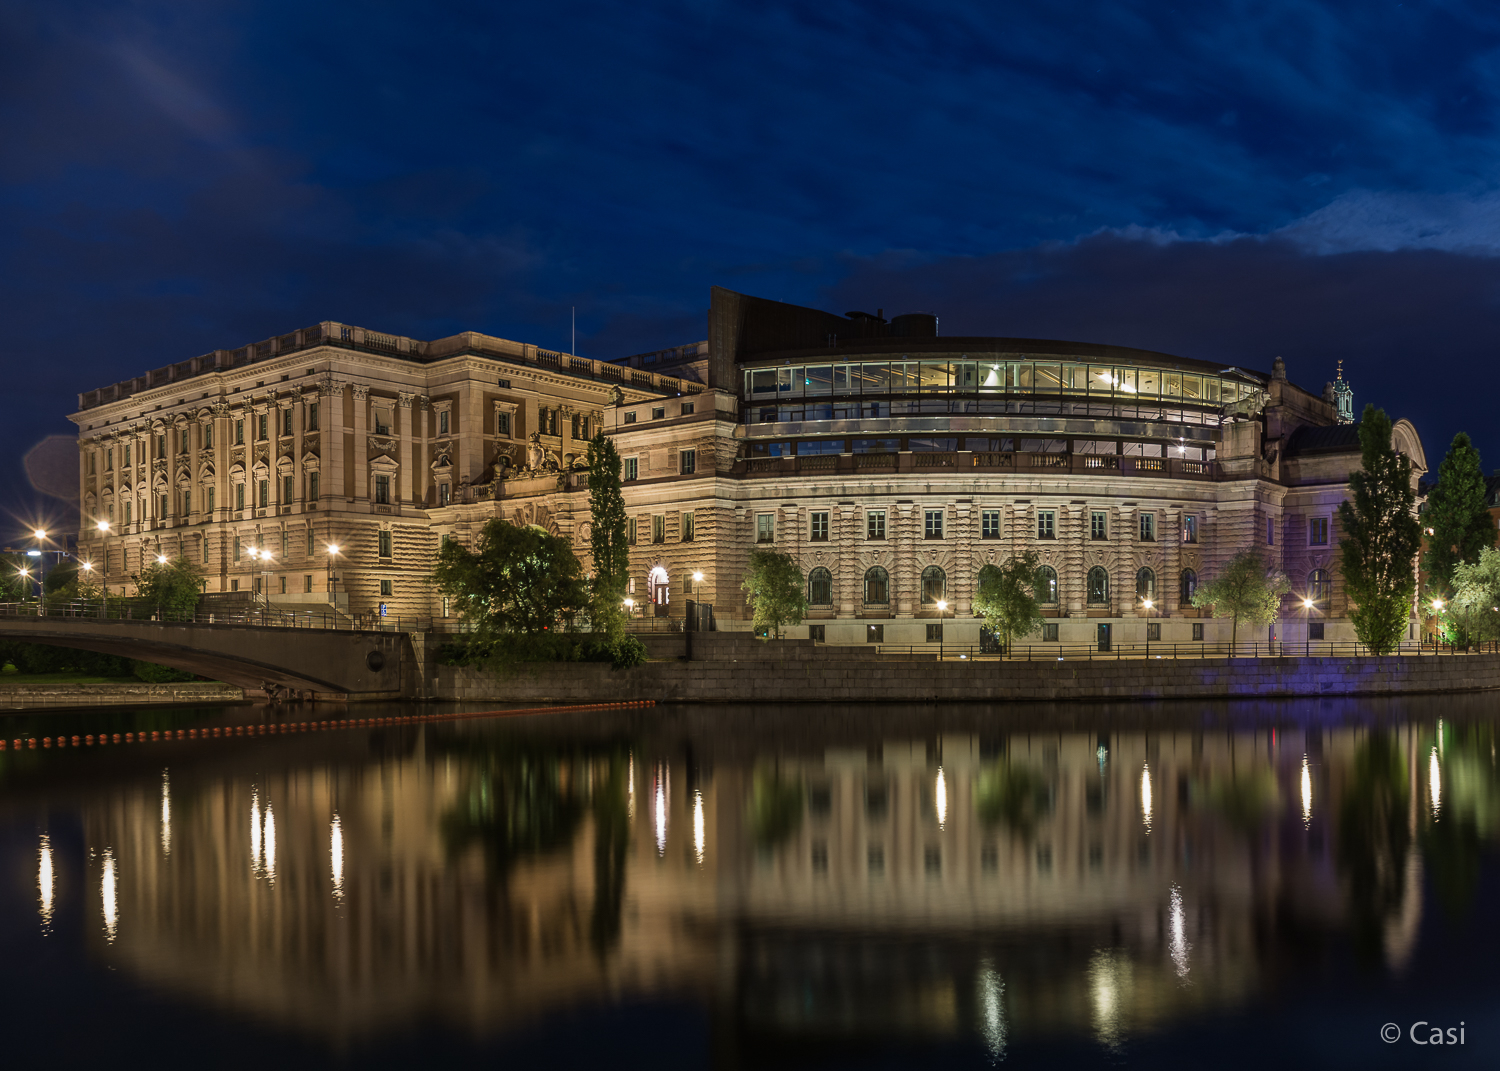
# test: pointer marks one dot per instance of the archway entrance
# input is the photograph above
(661, 591)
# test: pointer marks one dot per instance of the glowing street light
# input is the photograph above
(1148, 604)
(333, 552)
(103, 526)
(942, 609)
(40, 533)
(1307, 608)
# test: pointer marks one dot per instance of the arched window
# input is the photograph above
(820, 587)
(877, 587)
(1145, 585)
(1098, 586)
(1318, 587)
(1189, 586)
(1046, 585)
(934, 585)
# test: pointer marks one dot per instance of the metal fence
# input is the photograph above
(260, 616)
(1063, 652)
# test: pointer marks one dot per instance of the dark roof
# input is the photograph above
(1334, 439)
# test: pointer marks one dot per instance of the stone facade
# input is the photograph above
(891, 463)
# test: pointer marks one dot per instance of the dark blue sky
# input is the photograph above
(1230, 181)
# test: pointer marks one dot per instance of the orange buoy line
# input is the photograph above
(217, 732)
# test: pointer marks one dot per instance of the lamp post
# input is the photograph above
(1148, 604)
(1307, 608)
(333, 552)
(103, 527)
(942, 611)
(1437, 608)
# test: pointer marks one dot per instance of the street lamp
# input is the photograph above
(1148, 604)
(333, 552)
(942, 609)
(1307, 608)
(1437, 608)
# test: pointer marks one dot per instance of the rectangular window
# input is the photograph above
(309, 544)
(1049, 633)
(630, 529)
(630, 418)
(383, 539)
(446, 608)
(307, 585)
(208, 436)
(239, 496)
(127, 513)
(287, 415)
(1046, 524)
(203, 545)
(874, 633)
(502, 425)
(1317, 532)
(239, 433)
(109, 460)
(125, 456)
(283, 584)
(263, 493)
(1148, 527)
(1315, 630)
(1197, 630)
(935, 633)
(1189, 529)
(577, 426)
(765, 528)
(443, 422)
(817, 633)
(630, 468)
(445, 494)
(187, 503)
(312, 485)
(687, 529)
(382, 422)
(387, 588)
(288, 489)
(261, 423)
(989, 524)
(234, 585)
(1270, 532)
(383, 490)
(819, 528)
(933, 524)
(689, 462)
(210, 503)
(659, 528)
(687, 408)
(161, 506)
(237, 549)
(312, 416)
(875, 524)
(658, 412)
(1153, 630)
(1098, 524)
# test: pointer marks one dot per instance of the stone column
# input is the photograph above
(331, 440)
(405, 429)
(361, 490)
(905, 589)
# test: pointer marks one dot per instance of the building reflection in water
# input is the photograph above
(989, 886)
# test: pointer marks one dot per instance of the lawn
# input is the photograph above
(62, 678)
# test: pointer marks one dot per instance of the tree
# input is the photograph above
(1476, 594)
(1459, 515)
(172, 587)
(1247, 590)
(776, 590)
(607, 536)
(1007, 596)
(517, 581)
(1381, 537)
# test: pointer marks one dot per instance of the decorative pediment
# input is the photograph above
(283, 465)
(237, 473)
(206, 471)
(260, 469)
(90, 502)
(310, 462)
(160, 484)
(108, 494)
(184, 475)
(442, 463)
(383, 465)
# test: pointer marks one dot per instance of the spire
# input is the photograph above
(1343, 395)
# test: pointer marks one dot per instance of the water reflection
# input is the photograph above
(982, 885)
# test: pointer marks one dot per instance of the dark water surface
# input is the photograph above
(1156, 885)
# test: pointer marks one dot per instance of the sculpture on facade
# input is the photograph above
(539, 459)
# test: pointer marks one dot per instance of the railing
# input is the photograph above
(934, 461)
(874, 461)
(1101, 461)
(991, 461)
(1076, 652)
(1047, 461)
(116, 610)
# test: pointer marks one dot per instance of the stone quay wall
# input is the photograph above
(819, 675)
(34, 696)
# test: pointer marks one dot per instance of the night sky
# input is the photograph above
(1225, 181)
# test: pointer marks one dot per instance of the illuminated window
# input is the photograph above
(934, 585)
(1046, 585)
(1148, 527)
(1046, 524)
(877, 587)
(1098, 586)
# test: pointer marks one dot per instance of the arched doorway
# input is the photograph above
(661, 591)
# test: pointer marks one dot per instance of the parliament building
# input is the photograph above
(891, 462)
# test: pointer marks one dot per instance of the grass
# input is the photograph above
(62, 678)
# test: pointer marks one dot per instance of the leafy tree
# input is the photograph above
(13, 585)
(172, 587)
(1476, 594)
(1381, 537)
(607, 539)
(1247, 590)
(1007, 598)
(776, 590)
(1458, 514)
(517, 581)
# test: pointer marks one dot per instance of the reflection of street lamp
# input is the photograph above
(942, 609)
(1148, 604)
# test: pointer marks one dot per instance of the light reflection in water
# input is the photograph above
(44, 881)
(1306, 792)
(270, 844)
(630, 789)
(1111, 977)
(1177, 941)
(336, 855)
(659, 804)
(699, 832)
(991, 1001)
(254, 832)
(166, 814)
(940, 798)
(1435, 780)
(108, 897)
(1146, 796)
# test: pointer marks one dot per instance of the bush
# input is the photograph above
(621, 653)
(151, 673)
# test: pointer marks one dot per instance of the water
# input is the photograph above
(1148, 885)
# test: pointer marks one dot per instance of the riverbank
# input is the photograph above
(61, 694)
(796, 675)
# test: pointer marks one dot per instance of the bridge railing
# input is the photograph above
(261, 616)
(1061, 652)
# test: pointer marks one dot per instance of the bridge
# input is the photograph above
(277, 654)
